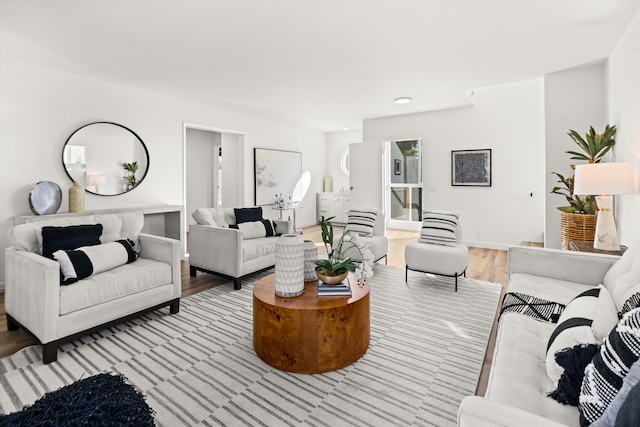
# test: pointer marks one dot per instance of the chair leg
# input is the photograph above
(192, 271)
(406, 273)
(49, 352)
(12, 325)
(456, 283)
(174, 307)
(385, 260)
(237, 284)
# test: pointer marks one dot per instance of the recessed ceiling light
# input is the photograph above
(403, 100)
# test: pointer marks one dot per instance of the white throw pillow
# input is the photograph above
(203, 216)
(587, 319)
(623, 278)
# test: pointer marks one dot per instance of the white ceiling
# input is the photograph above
(327, 64)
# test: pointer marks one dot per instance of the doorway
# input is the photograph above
(403, 179)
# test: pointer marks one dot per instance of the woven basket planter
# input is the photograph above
(577, 228)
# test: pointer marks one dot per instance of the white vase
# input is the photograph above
(310, 257)
(289, 280)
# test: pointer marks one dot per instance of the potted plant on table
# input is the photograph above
(578, 219)
(337, 266)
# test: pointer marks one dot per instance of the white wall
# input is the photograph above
(233, 150)
(41, 107)
(509, 119)
(623, 69)
(337, 144)
(200, 149)
(574, 99)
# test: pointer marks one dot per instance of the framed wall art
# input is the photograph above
(471, 168)
(275, 172)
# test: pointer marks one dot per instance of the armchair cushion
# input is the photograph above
(204, 216)
(361, 221)
(623, 278)
(83, 262)
(70, 237)
(28, 237)
(121, 226)
(439, 228)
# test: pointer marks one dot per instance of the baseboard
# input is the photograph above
(487, 245)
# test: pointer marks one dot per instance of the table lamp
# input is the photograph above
(603, 180)
(97, 181)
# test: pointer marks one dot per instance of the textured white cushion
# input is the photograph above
(437, 259)
(121, 226)
(28, 237)
(623, 278)
(255, 229)
(203, 216)
(438, 228)
(113, 284)
(258, 248)
(587, 319)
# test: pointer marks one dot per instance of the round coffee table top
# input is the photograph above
(265, 292)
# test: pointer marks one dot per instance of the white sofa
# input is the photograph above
(217, 249)
(518, 382)
(36, 301)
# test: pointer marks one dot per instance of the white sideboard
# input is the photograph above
(161, 220)
(333, 205)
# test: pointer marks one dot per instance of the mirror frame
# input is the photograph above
(146, 152)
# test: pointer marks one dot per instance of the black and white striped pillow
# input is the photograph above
(439, 228)
(587, 319)
(361, 221)
(604, 376)
(83, 262)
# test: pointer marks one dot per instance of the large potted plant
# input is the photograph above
(578, 219)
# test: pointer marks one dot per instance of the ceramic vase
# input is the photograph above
(76, 198)
(310, 257)
(289, 276)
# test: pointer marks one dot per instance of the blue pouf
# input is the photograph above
(100, 400)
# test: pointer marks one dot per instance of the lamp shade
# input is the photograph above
(97, 180)
(603, 178)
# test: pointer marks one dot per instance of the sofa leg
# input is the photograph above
(385, 260)
(192, 271)
(49, 352)
(237, 284)
(174, 307)
(406, 273)
(12, 325)
(456, 283)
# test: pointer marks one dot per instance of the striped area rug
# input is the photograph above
(199, 367)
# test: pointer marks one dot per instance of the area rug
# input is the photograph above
(199, 367)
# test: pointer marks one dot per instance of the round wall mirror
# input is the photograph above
(106, 158)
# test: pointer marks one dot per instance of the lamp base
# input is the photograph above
(606, 238)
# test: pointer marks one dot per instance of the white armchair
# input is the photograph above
(53, 313)
(218, 249)
(364, 221)
(448, 258)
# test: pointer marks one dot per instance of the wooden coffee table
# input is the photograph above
(308, 334)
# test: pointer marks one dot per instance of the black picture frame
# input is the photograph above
(471, 168)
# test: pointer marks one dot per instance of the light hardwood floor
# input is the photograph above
(484, 264)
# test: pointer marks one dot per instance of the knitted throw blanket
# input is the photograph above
(543, 310)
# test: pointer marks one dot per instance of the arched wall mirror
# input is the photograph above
(106, 158)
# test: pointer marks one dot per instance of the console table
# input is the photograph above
(160, 220)
(308, 334)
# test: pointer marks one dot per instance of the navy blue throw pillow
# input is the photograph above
(248, 214)
(70, 237)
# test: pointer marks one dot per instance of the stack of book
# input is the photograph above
(343, 289)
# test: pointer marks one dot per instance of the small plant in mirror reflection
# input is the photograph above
(130, 179)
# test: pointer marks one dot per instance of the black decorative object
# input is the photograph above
(101, 400)
(471, 168)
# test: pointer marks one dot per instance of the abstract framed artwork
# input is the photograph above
(275, 172)
(471, 168)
